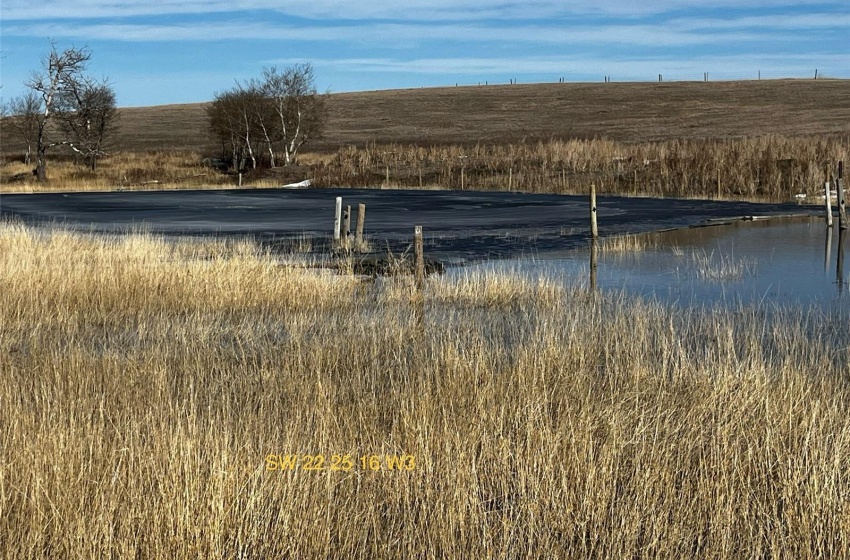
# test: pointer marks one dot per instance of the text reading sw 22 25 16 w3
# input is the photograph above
(340, 462)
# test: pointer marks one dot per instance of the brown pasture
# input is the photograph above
(627, 112)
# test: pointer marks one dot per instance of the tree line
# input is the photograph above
(253, 122)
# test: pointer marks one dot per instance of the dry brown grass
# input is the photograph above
(144, 385)
(155, 170)
(765, 168)
(768, 167)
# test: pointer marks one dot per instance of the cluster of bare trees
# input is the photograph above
(63, 107)
(277, 114)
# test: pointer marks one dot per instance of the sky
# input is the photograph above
(182, 51)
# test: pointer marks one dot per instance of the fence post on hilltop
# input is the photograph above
(419, 252)
(594, 232)
(337, 220)
(361, 221)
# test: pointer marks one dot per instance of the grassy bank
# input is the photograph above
(150, 392)
(764, 168)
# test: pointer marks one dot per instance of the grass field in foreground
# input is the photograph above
(148, 389)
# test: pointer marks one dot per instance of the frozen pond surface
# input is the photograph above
(797, 262)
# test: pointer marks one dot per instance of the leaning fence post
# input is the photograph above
(419, 251)
(338, 220)
(361, 221)
(594, 231)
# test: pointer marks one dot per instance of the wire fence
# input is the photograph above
(678, 76)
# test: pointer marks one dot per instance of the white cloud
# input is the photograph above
(621, 34)
(784, 22)
(410, 10)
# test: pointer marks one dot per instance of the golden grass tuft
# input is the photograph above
(146, 384)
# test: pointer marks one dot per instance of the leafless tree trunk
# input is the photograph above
(60, 74)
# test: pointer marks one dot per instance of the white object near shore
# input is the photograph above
(300, 185)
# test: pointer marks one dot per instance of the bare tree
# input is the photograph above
(87, 114)
(299, 108)
(234, 119)
(23, 120)
(60, 74)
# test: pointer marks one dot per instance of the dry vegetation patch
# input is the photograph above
(145, 384)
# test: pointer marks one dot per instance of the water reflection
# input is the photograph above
(839, 268)
(773, 261)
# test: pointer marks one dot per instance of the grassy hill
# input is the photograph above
(629, 112)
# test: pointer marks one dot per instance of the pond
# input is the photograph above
(775, 262)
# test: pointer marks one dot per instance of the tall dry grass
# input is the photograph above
(765, 167)
(758, 168)
(145, 385)
(151, 170)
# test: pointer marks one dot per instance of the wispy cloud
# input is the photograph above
(624, 34)
(425, 10)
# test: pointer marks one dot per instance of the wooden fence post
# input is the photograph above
(337, 220)
(419, 251)
(361, 221)
(346, 223)
(594, 231)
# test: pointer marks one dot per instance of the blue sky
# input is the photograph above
(176, 51)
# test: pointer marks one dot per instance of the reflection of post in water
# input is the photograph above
(839, 269)
(827, 250)
(593, 261)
